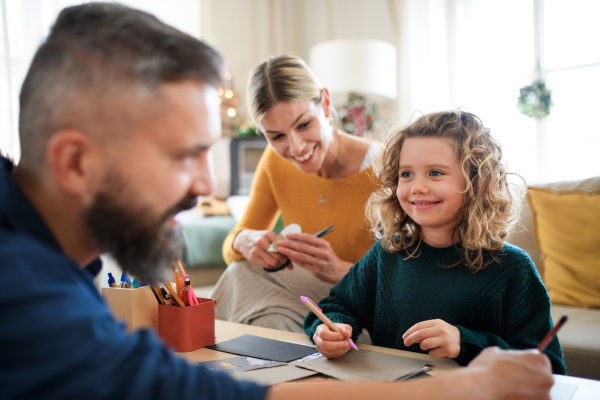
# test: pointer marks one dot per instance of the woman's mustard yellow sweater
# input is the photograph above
(280, 187)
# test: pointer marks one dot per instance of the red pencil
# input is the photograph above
(552, 334)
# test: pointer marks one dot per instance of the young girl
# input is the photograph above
(440, 279)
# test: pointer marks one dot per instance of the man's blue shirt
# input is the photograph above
(58, 339)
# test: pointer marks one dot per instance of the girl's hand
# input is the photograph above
(437, 336)
(316, 255)
(332, 344)
(254, 245)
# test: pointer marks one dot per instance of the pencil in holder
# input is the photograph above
(187, 328)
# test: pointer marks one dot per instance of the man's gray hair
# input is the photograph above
(95, 53)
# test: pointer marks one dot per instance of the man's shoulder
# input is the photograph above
(25, 254)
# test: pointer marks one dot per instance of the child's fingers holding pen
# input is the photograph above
(326, 333)
(332, 344)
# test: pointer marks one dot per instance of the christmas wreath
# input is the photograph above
(535, 100)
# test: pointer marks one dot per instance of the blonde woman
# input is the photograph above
(441, 280)
(311, 174)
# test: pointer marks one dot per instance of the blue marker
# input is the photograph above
(124, 279)
(136, 282)
(111, 280)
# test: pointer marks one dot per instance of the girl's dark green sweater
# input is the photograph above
(504, 305)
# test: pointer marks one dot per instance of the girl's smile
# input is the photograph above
(424, 205)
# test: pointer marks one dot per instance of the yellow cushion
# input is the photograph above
(567, 228)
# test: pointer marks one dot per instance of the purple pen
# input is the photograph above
(319, 313)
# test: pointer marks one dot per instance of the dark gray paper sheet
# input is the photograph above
(266, 349)
(364, 365)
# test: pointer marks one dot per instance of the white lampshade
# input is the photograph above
(366, 67)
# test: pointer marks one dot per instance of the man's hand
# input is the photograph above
(332, 344)
(512, 374)
(436, 336)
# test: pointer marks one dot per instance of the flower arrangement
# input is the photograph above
(358, 115)
(535, 100)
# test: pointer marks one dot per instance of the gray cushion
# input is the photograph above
(580, 340)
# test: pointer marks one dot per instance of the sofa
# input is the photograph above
(560, 230)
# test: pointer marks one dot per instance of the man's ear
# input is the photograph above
(326, 102)
(74, 160)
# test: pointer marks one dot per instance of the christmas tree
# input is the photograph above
(229, 106)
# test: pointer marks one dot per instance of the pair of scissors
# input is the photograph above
(319, 234)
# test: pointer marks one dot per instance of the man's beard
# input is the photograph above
(143, 246)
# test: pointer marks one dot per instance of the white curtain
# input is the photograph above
(7, 135)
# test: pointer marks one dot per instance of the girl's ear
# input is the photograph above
(326, 102)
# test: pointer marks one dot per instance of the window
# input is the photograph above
(571, 65)
(501, 49)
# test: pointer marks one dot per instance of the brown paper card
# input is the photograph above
(364, 365)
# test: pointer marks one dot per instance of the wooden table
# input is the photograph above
(588, 389)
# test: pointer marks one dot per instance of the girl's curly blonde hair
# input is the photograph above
(490, 208)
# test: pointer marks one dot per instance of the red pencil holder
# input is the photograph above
(187, 328)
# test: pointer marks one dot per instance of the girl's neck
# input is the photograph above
(439, 238)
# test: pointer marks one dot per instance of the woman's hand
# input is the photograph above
(315, 255)
(254, 245)
(437, 336)
(332, 344)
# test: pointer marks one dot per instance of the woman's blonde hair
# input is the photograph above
(280, 78)
(490, 208)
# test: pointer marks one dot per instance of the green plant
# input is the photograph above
(246, 128)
